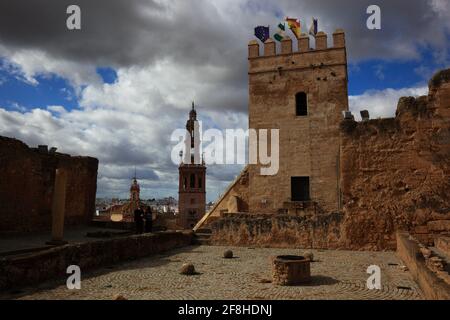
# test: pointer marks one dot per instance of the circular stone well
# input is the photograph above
(290, 270)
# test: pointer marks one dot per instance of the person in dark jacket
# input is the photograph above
(148, 217)
(139, 220)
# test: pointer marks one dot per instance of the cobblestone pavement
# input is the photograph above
(335, 275)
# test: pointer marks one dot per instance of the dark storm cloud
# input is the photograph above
(110, 29)
(116, 32)
(126, 173)
(406, 25)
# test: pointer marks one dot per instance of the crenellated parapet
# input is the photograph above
(303, 56)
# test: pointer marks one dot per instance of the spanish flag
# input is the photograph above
(295, 26)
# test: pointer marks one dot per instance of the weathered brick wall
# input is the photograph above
(27, 182)
(395, 173)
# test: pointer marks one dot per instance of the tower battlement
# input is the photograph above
(304, 57)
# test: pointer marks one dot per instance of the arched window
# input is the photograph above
(200, 183)
(192, 181)
(301, 104)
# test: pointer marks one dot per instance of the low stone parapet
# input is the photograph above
(36, 267)
(409, 250)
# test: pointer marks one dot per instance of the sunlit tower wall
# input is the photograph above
(303, 93)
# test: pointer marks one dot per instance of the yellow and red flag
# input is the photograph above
(295, 26)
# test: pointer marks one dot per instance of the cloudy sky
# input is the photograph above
(117, 88)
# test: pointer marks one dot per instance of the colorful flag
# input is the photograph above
(313, 29)
(295, 26)
(281, 32)
(262, 33)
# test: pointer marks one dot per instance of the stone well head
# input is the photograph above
(290, 270)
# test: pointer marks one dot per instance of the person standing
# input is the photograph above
(139, 220)
(148, 216)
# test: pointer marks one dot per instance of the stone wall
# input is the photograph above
(395, 173)
(443, 244)
(433, 287)
(27, 182)
(34, 268)
(278, 231)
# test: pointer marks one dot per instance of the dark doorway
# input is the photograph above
(300, 189)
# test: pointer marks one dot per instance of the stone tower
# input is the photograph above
(192, 179)
(135, 191)
(303, 93)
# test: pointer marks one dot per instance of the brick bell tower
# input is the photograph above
(192, 178)
(135, 191)
(301, 92)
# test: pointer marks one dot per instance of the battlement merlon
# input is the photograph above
(304, 57)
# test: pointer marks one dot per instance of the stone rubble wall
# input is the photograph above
(395, 173)
(431, 283)
(443, 244)
(33, 268)
(27, 183)
(278, 231)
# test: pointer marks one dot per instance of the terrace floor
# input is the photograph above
(335, 275)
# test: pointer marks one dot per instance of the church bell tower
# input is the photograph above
(192, 177)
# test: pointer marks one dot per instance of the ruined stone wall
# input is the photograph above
(27, 183)
(395, 173)
(309, 145)
(278, 231)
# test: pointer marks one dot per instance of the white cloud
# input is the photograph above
(382, 103)
(28, 64)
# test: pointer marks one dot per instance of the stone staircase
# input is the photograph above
(202, 236)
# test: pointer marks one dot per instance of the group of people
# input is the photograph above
(143, 220)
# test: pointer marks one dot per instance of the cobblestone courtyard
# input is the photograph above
(335, 275)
